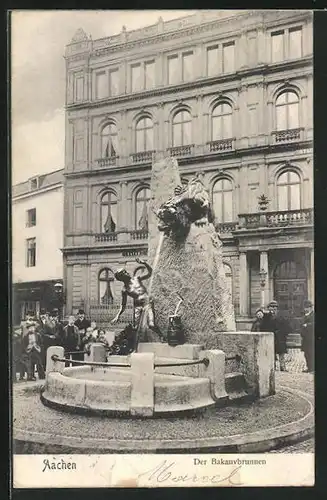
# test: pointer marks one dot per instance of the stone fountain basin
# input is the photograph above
(108, 390)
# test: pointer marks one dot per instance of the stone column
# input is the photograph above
(265, 287)
(311, 291)
(142, 382)
(55, 366)
(244, 285)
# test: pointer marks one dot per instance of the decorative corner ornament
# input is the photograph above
(80, 36)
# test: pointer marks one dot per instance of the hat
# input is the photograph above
(307, 303)
(80, 311)
(55, 312)
(43, 311)
(259, 309)
(273, 303)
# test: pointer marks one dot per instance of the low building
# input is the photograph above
(37, 240)
(229, 94)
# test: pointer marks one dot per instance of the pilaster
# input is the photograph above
(244, 285)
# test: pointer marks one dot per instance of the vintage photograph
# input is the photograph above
(162, 245)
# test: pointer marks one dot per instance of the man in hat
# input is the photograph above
(46, 329)
(280, 328)
(307, 334)
(32, 351)
(82, 323)
(29, 316)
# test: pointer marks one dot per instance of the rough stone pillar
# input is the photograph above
(142, 380)
(215, 371)
(97, 353)
(244, 284)
(55, 366)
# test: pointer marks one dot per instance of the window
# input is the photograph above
(222, 200)
(31, 252)
(34, 183)
(109, 141)
(173, 73)
(289, 191)
(31, 217)
(228, 57)
(187, 66)
(106, 278)
(144, 135)
(277, 46)
(101, 85)
(149, 75)
(79, 84)
(136, 78)
(182, 129)
(229, 281)
(287, 111)
(221, 122)
(113, 82)
(142, 209)
(108, 213)
(212, 61)
(295, 43)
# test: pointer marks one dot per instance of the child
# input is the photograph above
(88, 339)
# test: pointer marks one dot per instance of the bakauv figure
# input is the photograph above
(143, 303)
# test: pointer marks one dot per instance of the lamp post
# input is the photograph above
(59, 292)
(263, 281)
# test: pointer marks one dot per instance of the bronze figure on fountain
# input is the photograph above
(144, 316)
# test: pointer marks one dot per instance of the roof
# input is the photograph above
(44, 180)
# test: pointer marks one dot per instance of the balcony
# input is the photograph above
(104, 237)
(221, 145)
(122, 237)
(107, 162)
(143, 157)
(181, 150)
(286, 136)
(139, 234)
(289, 218)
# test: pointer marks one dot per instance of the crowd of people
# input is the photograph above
(37, 333)
(270, 320)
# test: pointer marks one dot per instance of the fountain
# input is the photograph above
(203, 361)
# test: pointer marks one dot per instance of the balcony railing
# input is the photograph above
(181, 150)
(226, 227)
(290, 135)
(105, 237)
(107, 162)
(276, 219)
(144, 156)
(221, 145)
(140, 234)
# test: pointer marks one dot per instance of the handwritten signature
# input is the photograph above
(165, 472)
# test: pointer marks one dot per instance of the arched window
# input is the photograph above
(229, 281)
(221, 122)
(109, 141)
(142, 209)
(106, 277)
(222, 200)
(108, 213)
(144, 135)
(289, 191)
(182, 129)
(287, 111)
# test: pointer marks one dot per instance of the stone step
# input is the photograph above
(235, 382)
(186, 351)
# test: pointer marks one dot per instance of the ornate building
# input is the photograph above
(229, 94)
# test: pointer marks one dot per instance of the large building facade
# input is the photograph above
(229, 94)
(37, 240)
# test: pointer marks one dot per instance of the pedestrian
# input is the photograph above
(280, 328)
(307, 334)
(29, 316)
(259, 324)
(32, 351)
(89, 338)
(82, 322)
(56, 326)
(46, 328)
(101, 338)
(72, 340)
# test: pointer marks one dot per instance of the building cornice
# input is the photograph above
(236, 78)
(36, 192)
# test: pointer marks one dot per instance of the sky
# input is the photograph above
(38, 43)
